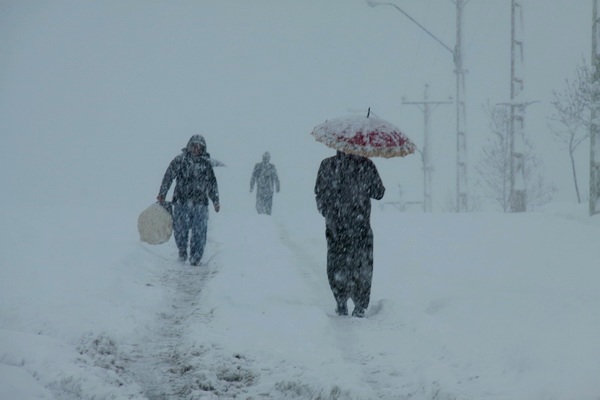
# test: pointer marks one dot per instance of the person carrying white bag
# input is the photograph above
(195, 185)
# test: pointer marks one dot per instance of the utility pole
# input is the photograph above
(517, 197)
(425, 106)
(461, 114)
(462, 190)
(594, 126)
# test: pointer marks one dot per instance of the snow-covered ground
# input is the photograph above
(464, 306)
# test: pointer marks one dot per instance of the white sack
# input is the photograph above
(155, 225)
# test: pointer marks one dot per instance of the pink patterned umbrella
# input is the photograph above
(365, 136)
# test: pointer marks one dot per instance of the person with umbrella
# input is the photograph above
(266, 179)
(345, 185)
(195, 185)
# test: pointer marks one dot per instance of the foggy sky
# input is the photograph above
(97, 97)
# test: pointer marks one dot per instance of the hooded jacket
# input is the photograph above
(194, 175)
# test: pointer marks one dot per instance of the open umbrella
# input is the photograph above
(368, 136)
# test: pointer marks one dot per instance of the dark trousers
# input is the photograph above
(350, 264)
(264, 202)
(190, 218)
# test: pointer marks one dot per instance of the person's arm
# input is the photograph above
(213, 188)
(276, 179)
(376, 190)
(321, 191)
(254, 177)
(167, 180)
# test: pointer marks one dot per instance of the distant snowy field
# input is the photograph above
(464, 306)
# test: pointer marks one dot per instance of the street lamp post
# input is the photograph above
(459, 71)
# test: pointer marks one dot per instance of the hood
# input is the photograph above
(195, 139)
(266, 157)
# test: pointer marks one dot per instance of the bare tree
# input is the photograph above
(494, 167)
(571, 120)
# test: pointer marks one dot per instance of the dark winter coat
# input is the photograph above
(345, 185)
(194, 175)
(344, 189)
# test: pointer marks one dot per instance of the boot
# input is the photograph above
(341, 309)
(358, 312)
(182, 255)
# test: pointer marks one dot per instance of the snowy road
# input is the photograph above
(484, 306)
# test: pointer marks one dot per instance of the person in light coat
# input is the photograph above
(265, 177)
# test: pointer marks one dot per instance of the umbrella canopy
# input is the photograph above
(368, 136)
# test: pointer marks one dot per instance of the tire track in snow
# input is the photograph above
(160, 358)
(311, 270)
